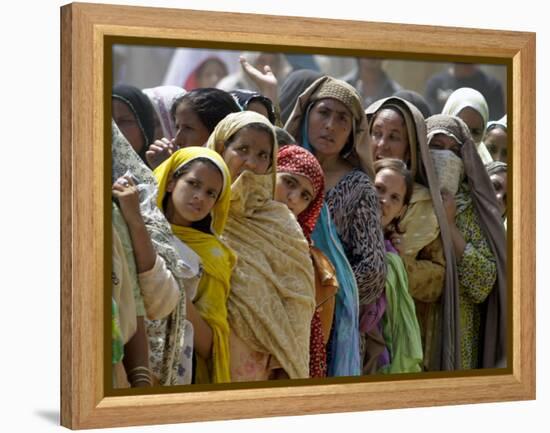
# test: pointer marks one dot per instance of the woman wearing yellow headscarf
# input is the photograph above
(196, 204)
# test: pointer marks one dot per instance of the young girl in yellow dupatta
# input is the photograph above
(194, 193)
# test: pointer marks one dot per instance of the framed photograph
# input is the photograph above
(92, 36)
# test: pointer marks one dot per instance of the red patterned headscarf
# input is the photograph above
(297, 160)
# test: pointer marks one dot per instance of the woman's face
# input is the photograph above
(250, 149)
(388, 137)
(190, 131)
(474, 121)
(128, 124)
(329, 127)
(496, 141)
(194, 194)
(294, 190)
(500, 184)
(391, 189)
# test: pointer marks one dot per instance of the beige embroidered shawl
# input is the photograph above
(272, 297)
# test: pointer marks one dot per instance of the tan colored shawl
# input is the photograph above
(272, 298)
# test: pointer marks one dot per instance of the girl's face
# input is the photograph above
(294, 190)
(474, 121)
(329, 126)
(128, 124)
(190, 131)
(496, 141)
(194, 194)
(500, 183)
(250, 149)
(388, 137)
(391, 189)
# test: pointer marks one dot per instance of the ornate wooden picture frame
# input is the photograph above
(88, 32)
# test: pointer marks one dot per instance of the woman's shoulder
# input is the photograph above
(356, 184)
(355, 178)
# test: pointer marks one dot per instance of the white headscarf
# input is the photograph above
(466, 97)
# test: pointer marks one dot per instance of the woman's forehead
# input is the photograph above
(334, 105)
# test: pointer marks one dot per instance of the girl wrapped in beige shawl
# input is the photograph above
(272, 298)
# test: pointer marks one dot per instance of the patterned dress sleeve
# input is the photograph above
(355, 211)
(477, 267)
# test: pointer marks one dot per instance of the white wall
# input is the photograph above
(30, 215)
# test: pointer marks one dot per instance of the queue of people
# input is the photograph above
(291, 232)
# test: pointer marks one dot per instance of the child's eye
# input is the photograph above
(264, 156)
(289, 181)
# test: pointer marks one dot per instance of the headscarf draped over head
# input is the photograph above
(501, 123)
(447, 354)
(331, 88)
(181, 157)
(487, 210)
(217, 259)
(296, 160)
(294, 86)
(162, 98)
(467, 97)
(166, 337)
(142, 109)
(414, 122)
(245, 97)
(232, 124)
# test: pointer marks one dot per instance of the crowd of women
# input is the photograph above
(294, 233)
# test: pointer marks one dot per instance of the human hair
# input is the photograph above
(203, 225)
(210, 105)
(283, 137)
(399, 167)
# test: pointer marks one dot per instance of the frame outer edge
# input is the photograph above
(66, 372)
(525, 183)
